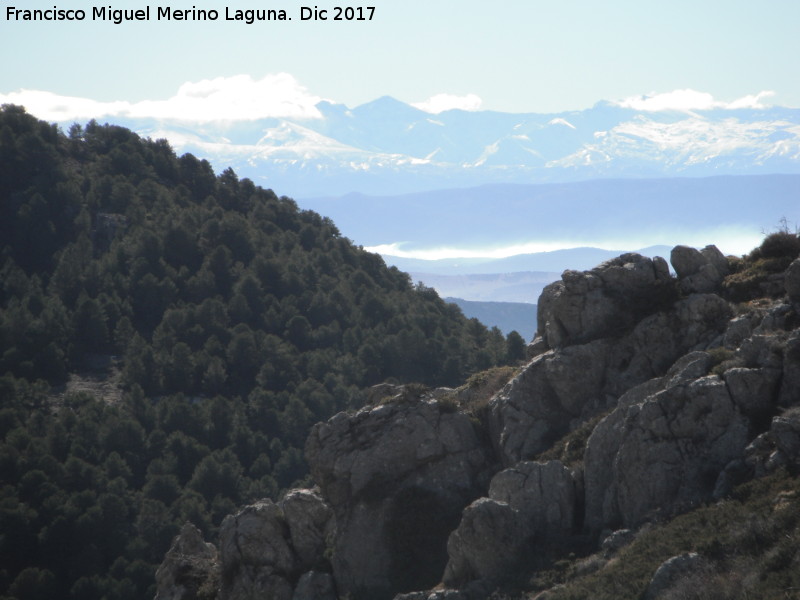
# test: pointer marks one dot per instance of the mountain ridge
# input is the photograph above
(386, 146)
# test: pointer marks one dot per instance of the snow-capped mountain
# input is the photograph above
(386, 146)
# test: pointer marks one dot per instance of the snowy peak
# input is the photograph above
(387, 146)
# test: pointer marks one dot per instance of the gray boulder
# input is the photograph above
(777, 447)
(753, 390)
(687, 261)
(616, 541)
(397, 476)
(311, 525)
(561, 388)
(699, 271)
(672, 572)
(315, 586)
(662, 455)
(592, 304)
(792, 280)
(790, 382)
(487, 544)
(529, 506)
(189, 564)
(542, 493)
(257, 559)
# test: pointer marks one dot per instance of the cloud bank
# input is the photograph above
(690, 100)
(236, 98)
(730, 239)
(442, 102)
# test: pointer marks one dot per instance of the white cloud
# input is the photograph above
(691, 100)
(730, 239)
(236, 98)
(396, 249)
(442, 102)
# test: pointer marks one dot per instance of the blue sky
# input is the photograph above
(509, 55)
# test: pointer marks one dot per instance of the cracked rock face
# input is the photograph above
(397, 476)
(663, 453)
(543, 494)
(186, 567)
(311, 525)
(699, 271)
(561, 387)
(487, 544)
(256, 556)
(528, 506)
(592, 304)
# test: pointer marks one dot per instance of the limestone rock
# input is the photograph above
(753, 390)
(250, 582)
(591, 304)
(256, 556)
(397, 476)
(311, 524)
(487, 544)
(687, 261)
(699, 271)
(528, 502)
(785, 432)
(537, 346)
(663, 454)
(566, 386)
(792, 280)
(542, 493)
(187, 566)
(738, 330)
(713, 255)
(616, 541)
(315, 586)
(671, 572)
(790, 382)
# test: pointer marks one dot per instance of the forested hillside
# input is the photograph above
(227, 320)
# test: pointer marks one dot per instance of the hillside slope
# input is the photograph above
(167, 338)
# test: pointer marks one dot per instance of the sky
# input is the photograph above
(519, 56)
(508, 55)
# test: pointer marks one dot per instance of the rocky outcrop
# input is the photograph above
(311, 526)
(189, 566)
(257, 560)
(699, 271)
(543, 494)
(792, 280)
(671, 572)
(689, 400)
(567, 386)
(266, 548)
(487, 544)
(662, 454)
(587, 305)
(529, 505)
(315, 586)
(779, 446)
(397, 476)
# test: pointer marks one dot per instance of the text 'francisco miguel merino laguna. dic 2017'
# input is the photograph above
(167, 13)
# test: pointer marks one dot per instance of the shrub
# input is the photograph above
(781, 244)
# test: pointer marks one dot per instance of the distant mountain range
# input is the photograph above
(387, 146)
(506, 316)
(549, 265)
(620, 212)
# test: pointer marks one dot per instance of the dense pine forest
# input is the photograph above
(167, 338)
